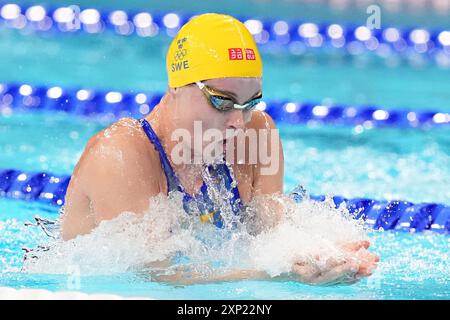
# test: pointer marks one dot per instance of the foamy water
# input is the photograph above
(130, 242)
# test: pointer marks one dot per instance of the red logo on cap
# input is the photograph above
(249, 54)
(235, 54)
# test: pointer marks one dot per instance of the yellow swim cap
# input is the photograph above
(212, 46)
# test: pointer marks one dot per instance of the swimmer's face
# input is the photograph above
(241, 90)
(192, 104)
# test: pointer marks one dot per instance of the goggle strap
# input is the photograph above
(201, 85)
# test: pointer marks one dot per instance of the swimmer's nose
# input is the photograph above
(235, 119)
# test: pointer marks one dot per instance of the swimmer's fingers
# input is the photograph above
(305, 272)
(344, 273)
(309, 272)
(372, 257)
(367, 260)
(333, 262)
(368, 263)
(355, 246)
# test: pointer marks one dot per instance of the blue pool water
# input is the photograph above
(380, 163)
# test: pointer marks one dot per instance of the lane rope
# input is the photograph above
(387, 215)
(113, 105)
(296, 36)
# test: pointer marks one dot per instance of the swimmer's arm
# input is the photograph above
(268, 176)
(109, 179)
(189, 278)
(269, 171)
(336, 271)
(76, 218)
(343, 274)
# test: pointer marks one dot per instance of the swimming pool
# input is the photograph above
(383, 163)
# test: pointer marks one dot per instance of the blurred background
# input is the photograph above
(138, 63)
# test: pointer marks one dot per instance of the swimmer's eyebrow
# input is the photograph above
(228, 93)
(233, 95)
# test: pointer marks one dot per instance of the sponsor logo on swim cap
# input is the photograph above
(249, 54)
(237, 54)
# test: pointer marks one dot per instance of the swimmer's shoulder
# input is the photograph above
(117, 172)
(124, 133)
(261, 120)
(123, 150)
(124, 137)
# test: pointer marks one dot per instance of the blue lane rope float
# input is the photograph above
(387, 215)
(40, 186)
(296, 36)
(114, 105)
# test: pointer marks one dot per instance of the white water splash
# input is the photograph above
(130, 242)
(311, 231)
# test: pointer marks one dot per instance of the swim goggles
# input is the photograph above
(222, 102)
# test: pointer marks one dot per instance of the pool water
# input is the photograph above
(379, 163)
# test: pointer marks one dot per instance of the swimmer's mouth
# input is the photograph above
(224, 144)
(227, 140)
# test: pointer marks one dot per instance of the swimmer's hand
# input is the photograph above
(361, 264)
(349, 271)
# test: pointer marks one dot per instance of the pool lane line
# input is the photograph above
(271, 33)
(113, 105)
(396, 215)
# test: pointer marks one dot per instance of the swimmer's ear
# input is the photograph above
(172, 90)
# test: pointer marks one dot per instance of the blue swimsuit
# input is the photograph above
(200, 203)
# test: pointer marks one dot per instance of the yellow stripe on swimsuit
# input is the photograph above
(207, 217)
